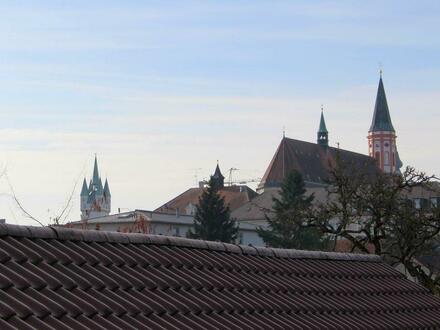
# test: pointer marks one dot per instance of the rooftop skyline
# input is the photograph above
(161, 90)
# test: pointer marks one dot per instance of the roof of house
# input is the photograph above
(313, 161)
(261, 206)
(63, 278)
(234, 196)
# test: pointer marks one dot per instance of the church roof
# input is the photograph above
(381, 118)
(62, 278)
(311, 160)
(322, 127)
(217, 173)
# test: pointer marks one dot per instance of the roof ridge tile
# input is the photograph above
(65, 233)
(14, 230)
(248, 250)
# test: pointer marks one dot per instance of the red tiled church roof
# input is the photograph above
(313, 161)
(71, 279)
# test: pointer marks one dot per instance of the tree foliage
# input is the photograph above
(375, 213)
(286, 228)
(212, 219)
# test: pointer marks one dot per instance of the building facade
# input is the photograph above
(157, 223)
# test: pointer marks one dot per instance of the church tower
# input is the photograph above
(95, 198)
(322, 132)
(382, 136)
(218, 178)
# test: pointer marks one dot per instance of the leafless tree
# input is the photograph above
(57, 220)
(374, 212)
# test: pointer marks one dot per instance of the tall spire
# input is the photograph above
(381, 118)
(382, 136)
(322, 131)
(95, 179)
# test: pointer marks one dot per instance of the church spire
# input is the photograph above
(84, 190)
(381, 118)
(218, 178)
(106, 189)
(96, 198)
(95, 179)
(382, 136)
(322, 131)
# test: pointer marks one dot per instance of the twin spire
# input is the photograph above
(381, 118)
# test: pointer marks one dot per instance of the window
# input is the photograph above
(387, 158)
(434, 201)
(417, 203)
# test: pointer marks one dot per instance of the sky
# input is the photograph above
(161, 90)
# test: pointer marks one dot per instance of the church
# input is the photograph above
(314, 160)
(95, 198)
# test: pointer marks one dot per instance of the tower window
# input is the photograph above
(387, 158)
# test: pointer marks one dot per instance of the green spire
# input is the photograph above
(322, 127)
(106, 189)
(322, 132)
(84, 190)
(95, 178)
(381, 118)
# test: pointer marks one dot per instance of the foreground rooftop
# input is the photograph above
(64, 278)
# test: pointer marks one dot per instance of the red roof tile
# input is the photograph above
(64, 278)
(235, 196)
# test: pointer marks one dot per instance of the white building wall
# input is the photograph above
(161, 224)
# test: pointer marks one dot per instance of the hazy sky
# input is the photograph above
(162, 89)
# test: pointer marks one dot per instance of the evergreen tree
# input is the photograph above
(212, 219)
(292, 208)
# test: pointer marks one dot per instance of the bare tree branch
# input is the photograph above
(20, 206)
